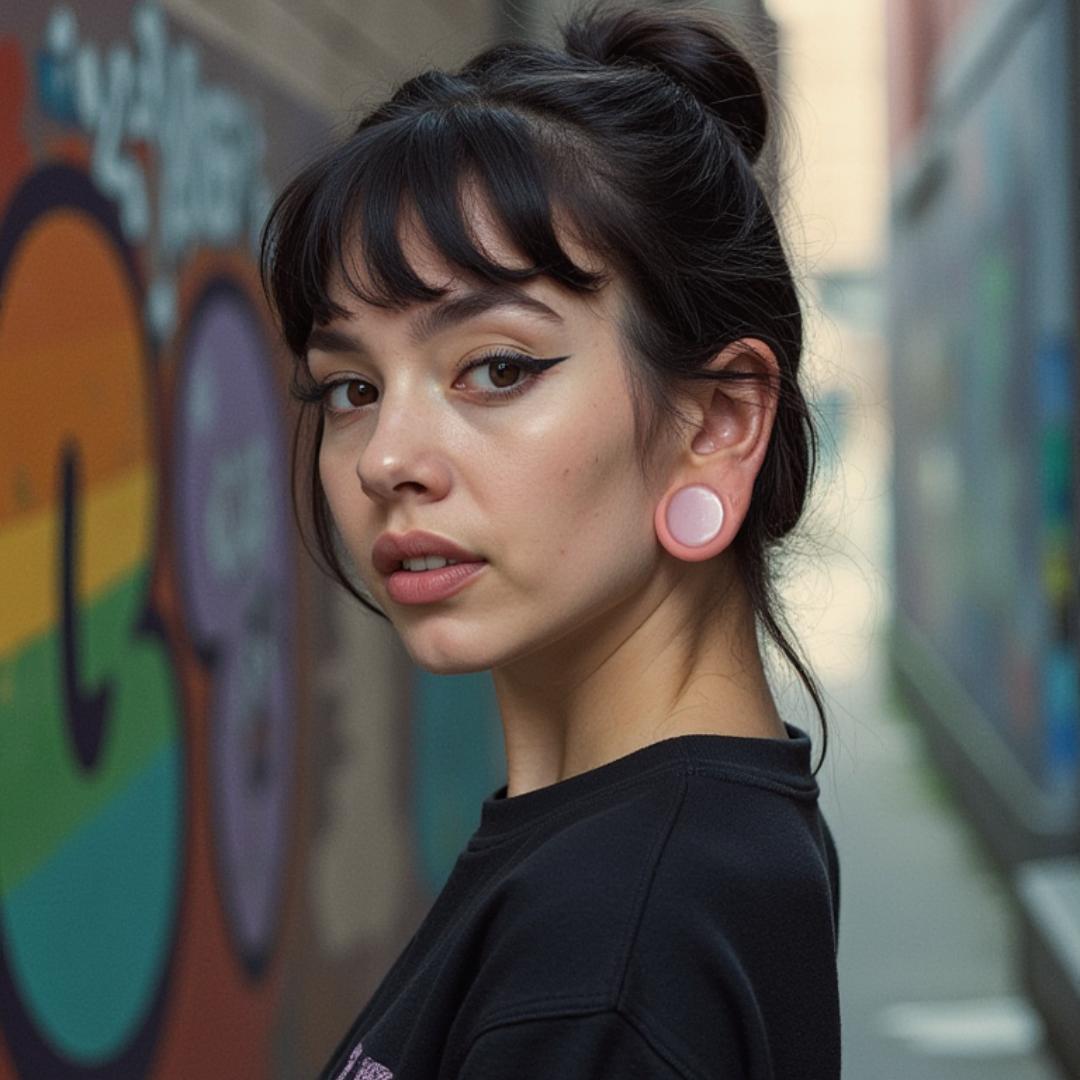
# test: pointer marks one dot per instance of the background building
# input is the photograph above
(983, 354)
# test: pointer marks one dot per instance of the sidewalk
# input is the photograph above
(925, 921)
(927, 931)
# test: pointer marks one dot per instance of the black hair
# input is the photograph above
(641, 134)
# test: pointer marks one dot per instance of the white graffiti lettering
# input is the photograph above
(209, 143)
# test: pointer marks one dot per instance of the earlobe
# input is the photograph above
(691, 522)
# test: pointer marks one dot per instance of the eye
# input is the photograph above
(335, 395)
(507, 373)
(344, 395)
(502, 371)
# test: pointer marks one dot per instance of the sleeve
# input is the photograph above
(596, 1046)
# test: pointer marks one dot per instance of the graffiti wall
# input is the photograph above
(984, 341)
(210, 847)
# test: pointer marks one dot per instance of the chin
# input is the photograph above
(448, 665)
(441, 654)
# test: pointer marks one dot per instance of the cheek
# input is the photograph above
(575, 494)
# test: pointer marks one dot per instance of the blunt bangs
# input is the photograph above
(417, 163)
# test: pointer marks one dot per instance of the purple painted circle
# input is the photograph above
(232, 524)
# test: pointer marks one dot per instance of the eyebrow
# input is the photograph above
(441, 316)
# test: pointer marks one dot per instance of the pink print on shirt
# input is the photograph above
(366, 1068)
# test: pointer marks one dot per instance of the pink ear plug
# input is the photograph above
(695, 515)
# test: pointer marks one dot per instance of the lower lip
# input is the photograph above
(427, 586)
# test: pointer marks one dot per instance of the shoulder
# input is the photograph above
(739, 931)
(700, 908)
(694, 857)
(694, 907)
(743, 866)
(740, 838)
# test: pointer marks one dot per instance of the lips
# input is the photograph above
(391, 549)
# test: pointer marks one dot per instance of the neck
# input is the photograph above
(657, 665)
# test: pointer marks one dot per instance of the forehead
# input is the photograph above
(437, 271)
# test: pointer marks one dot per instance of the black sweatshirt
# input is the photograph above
(670, 914)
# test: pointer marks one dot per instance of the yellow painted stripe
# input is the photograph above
(114, 538)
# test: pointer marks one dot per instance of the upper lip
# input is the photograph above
(391, 550)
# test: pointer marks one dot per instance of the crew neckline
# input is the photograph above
(779, 762)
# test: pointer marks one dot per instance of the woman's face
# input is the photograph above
(541, 482)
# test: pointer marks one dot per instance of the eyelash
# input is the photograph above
(318, 393)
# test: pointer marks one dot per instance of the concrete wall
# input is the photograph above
(332, 53)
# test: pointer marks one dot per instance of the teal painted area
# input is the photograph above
(45, 796)
(88, 932)
(458, 761)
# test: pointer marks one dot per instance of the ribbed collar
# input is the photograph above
(776, 762)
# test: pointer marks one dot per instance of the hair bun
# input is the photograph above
(688, 44)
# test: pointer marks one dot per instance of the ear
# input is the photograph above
(720, 454)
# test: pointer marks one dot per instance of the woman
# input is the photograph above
(545, 317)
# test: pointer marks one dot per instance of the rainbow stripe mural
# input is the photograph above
(91, 761)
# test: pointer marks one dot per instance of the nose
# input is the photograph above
(406, 452)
